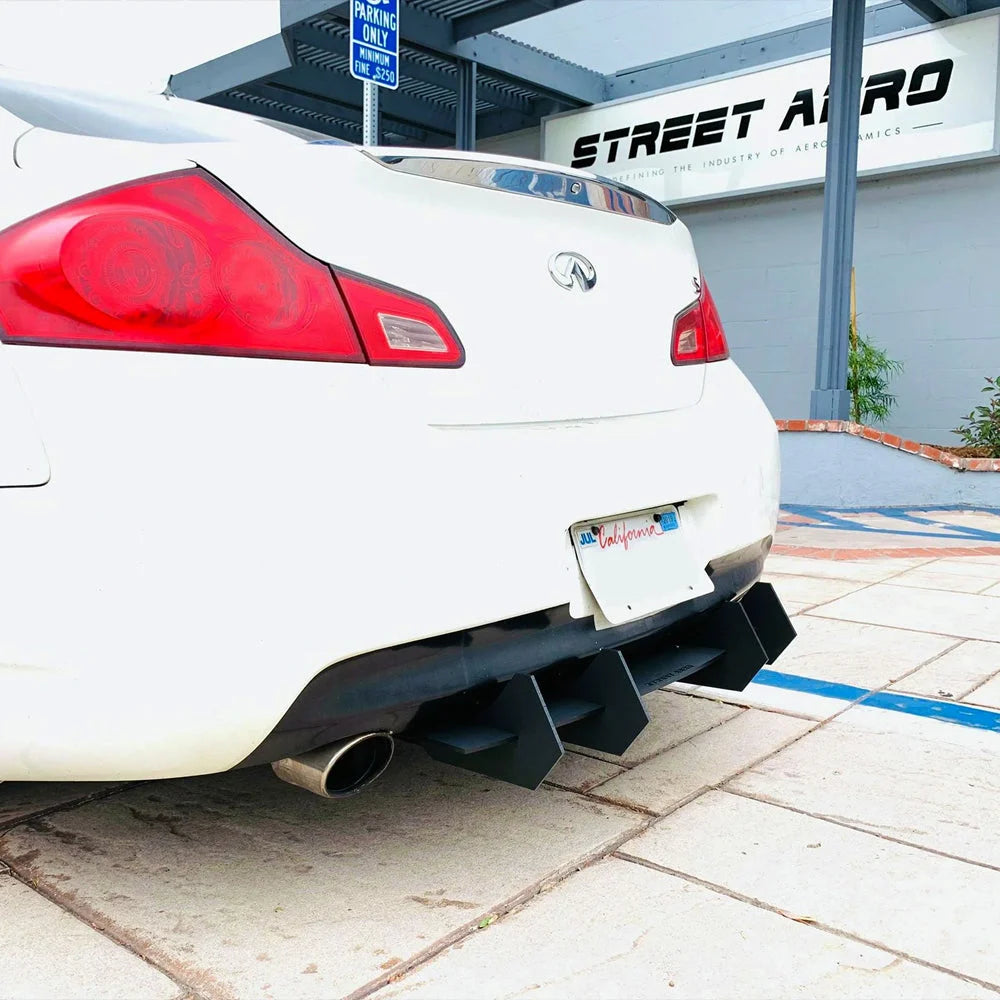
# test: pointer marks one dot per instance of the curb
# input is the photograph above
(894, 441)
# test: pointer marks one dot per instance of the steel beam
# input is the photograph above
(324, 106)
(565, 81)
(939, 10)
(788, 43)
(346, 90)
(465, 110)
(502, 14)
(309, 34)
(234, 103)
(295, 11)
(830, 399)
(234, 69)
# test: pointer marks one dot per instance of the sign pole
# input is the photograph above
(369, 115)
(374, 57)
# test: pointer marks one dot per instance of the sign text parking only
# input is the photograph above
(375, 42)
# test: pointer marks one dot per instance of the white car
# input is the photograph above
(304, 446)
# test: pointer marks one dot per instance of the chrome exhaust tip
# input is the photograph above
(338, 769)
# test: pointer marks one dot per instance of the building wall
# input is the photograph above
(927, 259)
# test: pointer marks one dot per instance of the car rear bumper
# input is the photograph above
(177, 585)
(422, 686)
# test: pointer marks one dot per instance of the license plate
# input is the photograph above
(636, 564)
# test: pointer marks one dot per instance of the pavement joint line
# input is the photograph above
(898, 628)
(809, 576)
(811, 922)
(718, 696)
(83, 800)
(859, 590)
(186, 990)
(499, 912)
(716, 785)
(931, 659)
(652, 756)
(926, 663)
(976, 687)
(847, 824)
(939, 590)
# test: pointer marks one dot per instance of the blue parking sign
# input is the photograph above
(375, 41)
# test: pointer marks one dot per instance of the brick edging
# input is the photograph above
(940, 552)
(945, 458)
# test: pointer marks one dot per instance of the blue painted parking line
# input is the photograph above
(830, 519)
(946, 711)
(808, 685)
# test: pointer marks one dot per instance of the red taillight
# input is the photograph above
(179, 263)
(698, 334)
(399, 328)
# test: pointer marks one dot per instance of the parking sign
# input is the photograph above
(375, 42)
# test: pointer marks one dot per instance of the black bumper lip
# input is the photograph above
(385, 689)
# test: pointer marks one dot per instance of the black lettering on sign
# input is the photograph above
(710, 126)
(826, 106)
(941, 69)
(801, 106)
(676, 133)
(744, 111)
(883, 87)
(585, 151)
(644, 136)
(613, 137)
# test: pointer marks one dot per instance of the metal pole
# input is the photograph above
(369, 116)
(465, 111)
(830, 399)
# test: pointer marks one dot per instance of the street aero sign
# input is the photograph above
(375, 42)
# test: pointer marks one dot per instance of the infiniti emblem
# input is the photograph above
(569, 269)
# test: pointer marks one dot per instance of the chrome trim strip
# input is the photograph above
(601, 194)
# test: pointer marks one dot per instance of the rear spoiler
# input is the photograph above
(589, 192)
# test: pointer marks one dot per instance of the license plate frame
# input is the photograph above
(639, 563)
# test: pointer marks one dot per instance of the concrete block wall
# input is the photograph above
(927, 254)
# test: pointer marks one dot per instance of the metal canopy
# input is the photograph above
(939, 10)
(450, 64)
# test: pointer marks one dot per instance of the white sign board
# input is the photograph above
(927, 96)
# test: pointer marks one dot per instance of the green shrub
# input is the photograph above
(981, 428)
(869, 371)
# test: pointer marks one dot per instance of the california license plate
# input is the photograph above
(636, 564)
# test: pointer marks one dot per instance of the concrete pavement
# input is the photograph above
(829, 832)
